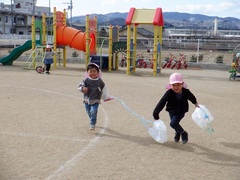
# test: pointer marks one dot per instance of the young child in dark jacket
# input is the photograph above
(176, 101)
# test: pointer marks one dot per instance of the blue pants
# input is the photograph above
(175, 120)
(92, 111)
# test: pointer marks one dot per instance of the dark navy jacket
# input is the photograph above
(173, 105)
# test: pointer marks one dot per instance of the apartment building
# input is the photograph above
(16, 18)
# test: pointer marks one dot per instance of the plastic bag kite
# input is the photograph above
(202, 117)
(158, 131)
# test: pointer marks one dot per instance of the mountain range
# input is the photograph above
(171, 20)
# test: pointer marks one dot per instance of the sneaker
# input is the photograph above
(92, 127)
(184, 137)
(47, 73)
(177, 136)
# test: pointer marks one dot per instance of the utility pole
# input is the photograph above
(70, 7)
(12, 16)
(33, 12)
(49, 13)
(49, 4)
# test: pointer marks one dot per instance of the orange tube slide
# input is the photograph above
(74, 38)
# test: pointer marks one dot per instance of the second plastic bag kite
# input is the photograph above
(202, 117)
(158, 131)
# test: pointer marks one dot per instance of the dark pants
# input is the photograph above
(175, 120)
(48, 67)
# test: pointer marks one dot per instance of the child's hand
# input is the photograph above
(197, 105)
(84, 90)
(109, 99)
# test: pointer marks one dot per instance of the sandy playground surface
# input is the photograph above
(44, 128)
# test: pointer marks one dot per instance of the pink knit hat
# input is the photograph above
(175, 78)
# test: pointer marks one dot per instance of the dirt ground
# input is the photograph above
(44, 128)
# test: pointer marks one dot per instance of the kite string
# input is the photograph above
(142, 119)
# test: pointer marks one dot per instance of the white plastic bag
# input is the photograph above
(202, 117)
(105, 95)
(158, 131)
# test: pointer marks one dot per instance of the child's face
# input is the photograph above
(177, 87)
(93, 73)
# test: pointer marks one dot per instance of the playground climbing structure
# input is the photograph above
(144, 16)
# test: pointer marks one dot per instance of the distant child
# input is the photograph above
(94, 90)
(176, 101)
(48, 58)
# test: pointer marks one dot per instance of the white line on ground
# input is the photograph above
(44, 90)
(71, 162)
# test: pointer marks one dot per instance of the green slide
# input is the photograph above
(16, 52)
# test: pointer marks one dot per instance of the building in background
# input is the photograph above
(16, 18)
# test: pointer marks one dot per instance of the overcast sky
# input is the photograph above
(221, 8)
